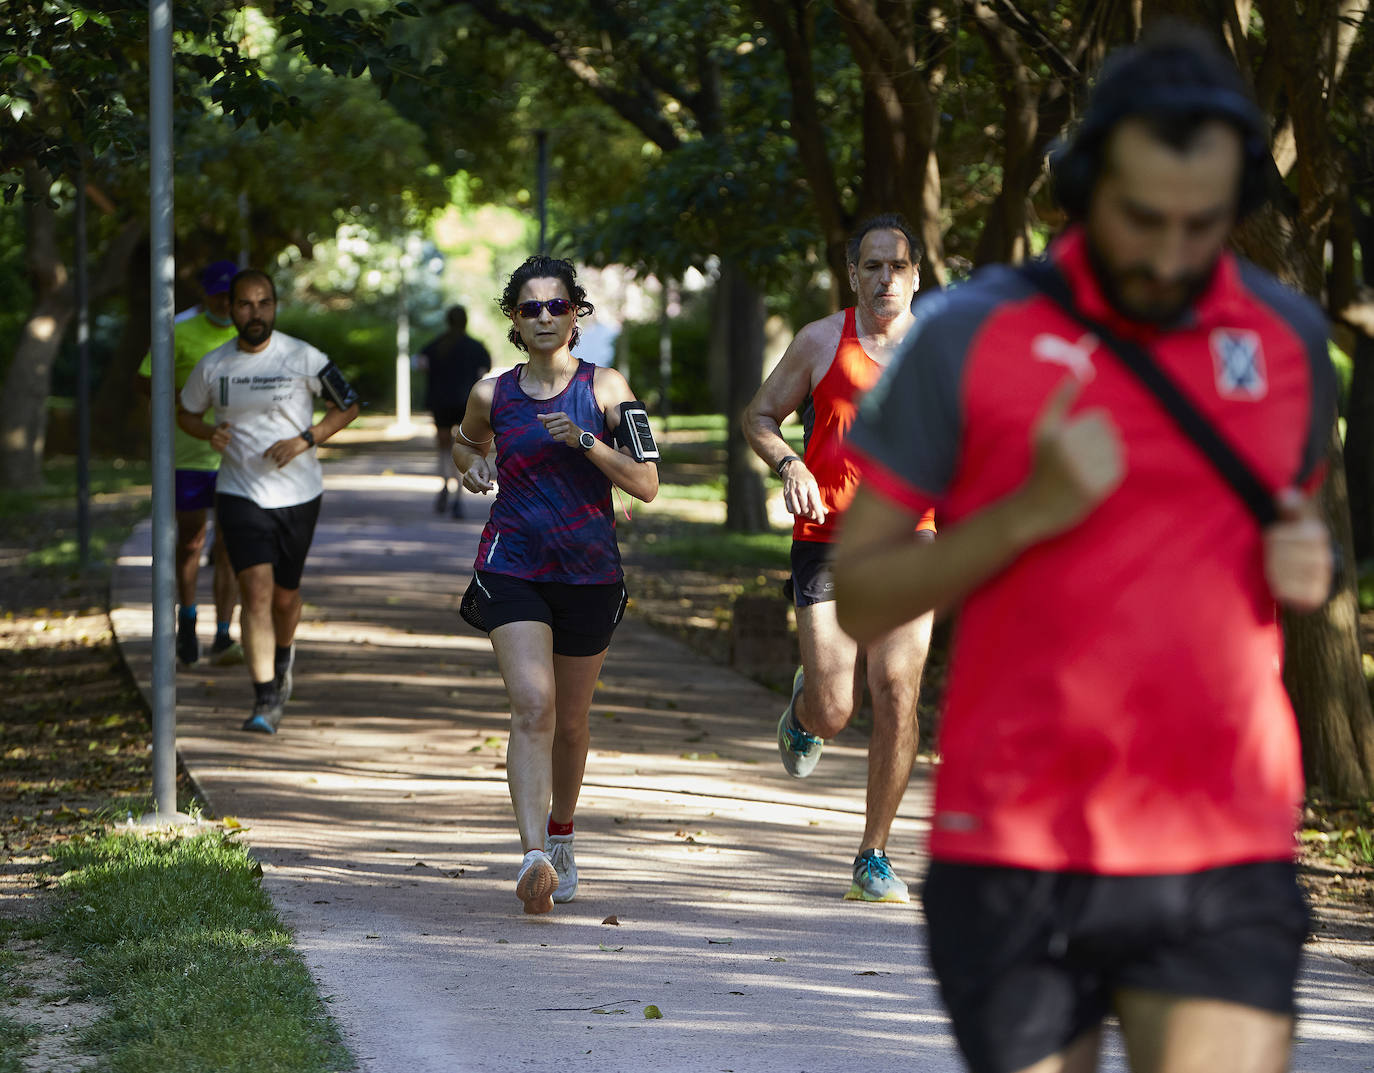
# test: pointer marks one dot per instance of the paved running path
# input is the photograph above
(381, 816)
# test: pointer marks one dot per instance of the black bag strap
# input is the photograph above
(1234, 470)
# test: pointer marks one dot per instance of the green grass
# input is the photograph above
(50, 511)
(59, 483)
(708, 546)
(178, 943)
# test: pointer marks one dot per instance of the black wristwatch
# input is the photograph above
(308, 437)
(782, 466)
(586, 441)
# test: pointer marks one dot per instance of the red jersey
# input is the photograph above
(834, 404)
(1114, 702)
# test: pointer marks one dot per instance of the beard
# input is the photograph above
(1120, 284)
(256, 332)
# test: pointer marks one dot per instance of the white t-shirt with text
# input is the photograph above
(265, 397)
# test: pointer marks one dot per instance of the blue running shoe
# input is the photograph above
(874, 881)
(266, 716)
(800, 751)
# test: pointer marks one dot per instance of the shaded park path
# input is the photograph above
(381, 817)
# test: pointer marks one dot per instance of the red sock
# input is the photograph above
(559, 828)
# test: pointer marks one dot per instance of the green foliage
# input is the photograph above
(180, 944)
(690, 390)
(14, 283)
(361, 343)
(76, 79)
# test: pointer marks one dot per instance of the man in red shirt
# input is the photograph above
(829, 364)
(1120, 776)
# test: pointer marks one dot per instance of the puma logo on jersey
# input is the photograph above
(1076, 357)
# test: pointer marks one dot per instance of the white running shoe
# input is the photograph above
(536, 882)
(560, 851)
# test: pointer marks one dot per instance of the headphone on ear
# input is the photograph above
(1076, 163)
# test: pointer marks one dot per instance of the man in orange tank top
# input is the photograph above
(828, 365)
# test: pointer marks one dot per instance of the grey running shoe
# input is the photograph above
(560, 851)
(188, 646)
(874, 881)
(227, 654)
(800, 751)
(266, 716)
(536, 882)
(284, 682)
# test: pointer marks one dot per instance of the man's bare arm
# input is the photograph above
(791, 381)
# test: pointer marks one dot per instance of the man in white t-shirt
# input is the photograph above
(262, 387)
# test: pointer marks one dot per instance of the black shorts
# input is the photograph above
(278, 535)
(811, 581)
(446, 417)
(582, 617)
(1028, 961)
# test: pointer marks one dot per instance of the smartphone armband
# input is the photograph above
(336, 388)
(634, 432)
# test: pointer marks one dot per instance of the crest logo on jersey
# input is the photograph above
(1076, 357)
(1238, 361)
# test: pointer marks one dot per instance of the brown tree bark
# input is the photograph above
(1324, 676)
(899, 46)
(1323, 669)
(24, 417)
(742, 306)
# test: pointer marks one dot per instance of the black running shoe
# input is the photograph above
(188, 645)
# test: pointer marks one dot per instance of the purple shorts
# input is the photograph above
(195, 489)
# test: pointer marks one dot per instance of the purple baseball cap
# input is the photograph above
(215, 278)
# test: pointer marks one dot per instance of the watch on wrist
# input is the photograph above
(586, 441)
(782, 466)
(308, 437)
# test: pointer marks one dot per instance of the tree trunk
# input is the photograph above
(120, 419)
(1325, 678)
(1359, 448)
(745, 502)
(24, 417)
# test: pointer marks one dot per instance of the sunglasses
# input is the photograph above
(557, 307)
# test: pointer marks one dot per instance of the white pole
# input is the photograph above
(164, 522)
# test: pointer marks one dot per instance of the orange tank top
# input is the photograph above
(834, 404)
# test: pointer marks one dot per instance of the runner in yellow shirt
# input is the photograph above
(195, 334)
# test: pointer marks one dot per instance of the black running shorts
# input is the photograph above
(279, 535)
(1029, 961)
(582, 617)
(812, 582)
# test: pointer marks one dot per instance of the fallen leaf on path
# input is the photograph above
(612, 920)
(371, 936)
(777, 959)
(231, 823)
(720, 942)
(653, 1013)
(610, 949)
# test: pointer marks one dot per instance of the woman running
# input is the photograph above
(548, 584)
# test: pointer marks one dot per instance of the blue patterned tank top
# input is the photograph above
(552, 519)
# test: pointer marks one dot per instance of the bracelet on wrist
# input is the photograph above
(784, 463)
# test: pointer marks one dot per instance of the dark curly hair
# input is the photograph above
(541, 267)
